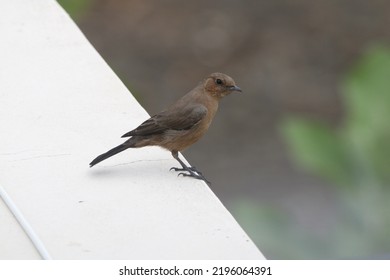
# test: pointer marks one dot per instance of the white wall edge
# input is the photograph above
(61, 105)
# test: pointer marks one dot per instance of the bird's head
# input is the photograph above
(219, 85)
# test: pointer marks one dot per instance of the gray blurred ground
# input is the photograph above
(288, 57)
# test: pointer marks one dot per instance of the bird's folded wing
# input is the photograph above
(178, 119)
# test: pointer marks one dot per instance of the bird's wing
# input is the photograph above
(176, 119)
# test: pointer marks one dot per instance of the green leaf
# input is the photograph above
(75, 8)
(367, 126)
(317, 149)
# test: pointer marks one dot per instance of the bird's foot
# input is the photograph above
(192, 168)
(192, 173)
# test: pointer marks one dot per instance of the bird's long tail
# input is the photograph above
(110, 153)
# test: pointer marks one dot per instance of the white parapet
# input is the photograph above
(60, 106)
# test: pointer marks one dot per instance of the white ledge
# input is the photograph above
(61, 106)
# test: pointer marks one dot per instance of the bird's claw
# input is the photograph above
(176, 169)
(191, 168)
(192, 173)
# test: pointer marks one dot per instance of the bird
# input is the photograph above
(181, 124)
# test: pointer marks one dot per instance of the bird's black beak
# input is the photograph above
(235, 88)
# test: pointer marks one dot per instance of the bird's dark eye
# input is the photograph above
(218, 82)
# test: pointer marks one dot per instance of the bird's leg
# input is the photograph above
(191, 170)
(183, 165)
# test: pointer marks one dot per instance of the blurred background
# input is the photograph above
(301, 158)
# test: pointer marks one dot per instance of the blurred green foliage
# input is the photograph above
(355, 157)
(358, 153)
(75, 8)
